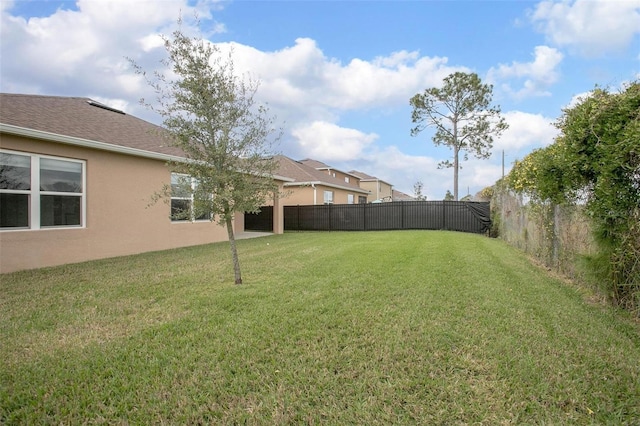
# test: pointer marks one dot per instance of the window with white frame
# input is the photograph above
(39, 191)
(328, 197)
(349, 198)
(183, 202)
(346, 179)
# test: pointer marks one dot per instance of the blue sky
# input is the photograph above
(338, 75)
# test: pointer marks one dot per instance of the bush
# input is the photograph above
(595, 164)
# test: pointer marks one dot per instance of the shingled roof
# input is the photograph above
(319, 165)
(367, 178)
(81, 119)
(401, 196)
(315, 164)
(306, 175)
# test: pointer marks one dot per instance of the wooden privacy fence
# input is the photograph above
(462, 216)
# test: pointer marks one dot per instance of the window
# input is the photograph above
(183, 203)
(39, 191)
(362, 199)
(349, 198)
(328, 197)
(346, 179)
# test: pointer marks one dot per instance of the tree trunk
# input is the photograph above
(456, 152)
(234, 250)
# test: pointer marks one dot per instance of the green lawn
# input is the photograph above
(330, 328)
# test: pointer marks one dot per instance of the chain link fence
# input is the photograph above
(558, 236)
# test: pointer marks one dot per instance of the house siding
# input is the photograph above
(119, 218)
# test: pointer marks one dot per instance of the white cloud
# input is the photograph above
(79, 52)
(150, 42)
(120, 104)
(525, 130)
(576, 99)
(592, 27)
(401, 170)
(310, 91)
(301, 75)
(328, 142)
(6, 5)
(537, 75)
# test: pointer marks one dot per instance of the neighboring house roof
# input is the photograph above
(367, 178)
(85, 122)
(315, 164)
(401, 196)
(319, 165)
(306, 175)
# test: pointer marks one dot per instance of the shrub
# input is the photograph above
(595, 163)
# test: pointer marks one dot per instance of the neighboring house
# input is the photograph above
(338, 174)
(379, 190)
(401, 196)
(312, 187)
(76, 182)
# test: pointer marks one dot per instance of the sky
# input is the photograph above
(337, 75)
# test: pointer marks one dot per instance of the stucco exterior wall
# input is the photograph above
(340, 196)
(299, 195)
(304, 195)
(378, 190)
(386, 191)
(119, 219)
(343, 177)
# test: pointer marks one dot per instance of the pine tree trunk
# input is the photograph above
(456, 167)
(456, 152)
(234, 251)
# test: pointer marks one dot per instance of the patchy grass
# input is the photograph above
(339, 328)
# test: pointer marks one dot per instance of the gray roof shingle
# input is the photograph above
(79, 118)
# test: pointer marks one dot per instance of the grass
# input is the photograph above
(409, 327)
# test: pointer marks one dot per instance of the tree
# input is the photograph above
(448, 196)
(417, 189)
(210, 114)
(595, 162)
(461, 113)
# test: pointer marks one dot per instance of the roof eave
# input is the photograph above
(327, 184)
(376, 180)
(86, 143)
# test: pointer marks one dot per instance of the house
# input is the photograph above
(339, 174)
(379, 190)
(76, 183)
(401, 196)
(310, 186)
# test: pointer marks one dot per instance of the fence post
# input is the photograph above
(555, 236)
(298, 217)
(364, 217)
(444, 215)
